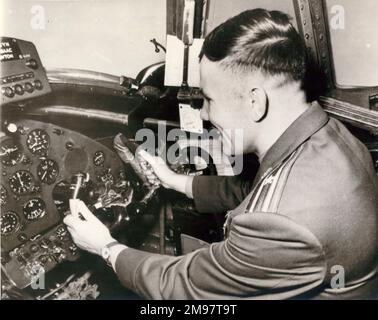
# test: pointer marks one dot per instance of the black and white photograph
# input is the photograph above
(210, 151)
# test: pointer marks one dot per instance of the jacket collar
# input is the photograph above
(299, 131)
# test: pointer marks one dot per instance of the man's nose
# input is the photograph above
(204, 114)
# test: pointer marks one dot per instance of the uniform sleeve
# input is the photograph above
(266, 256)
(214, 194)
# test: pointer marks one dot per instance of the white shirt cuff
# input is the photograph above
(114, 252)
(189, 187)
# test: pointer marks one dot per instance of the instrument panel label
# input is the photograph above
(9, 50)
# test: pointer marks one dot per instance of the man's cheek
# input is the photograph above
(227, 144)
(233, 142)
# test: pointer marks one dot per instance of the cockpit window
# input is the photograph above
(103, 35)
(354, 42)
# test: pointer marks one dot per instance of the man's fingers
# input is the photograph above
(152, 179)
(72, 232)
(151, 176)
(70, 220)
(74, 207)
(79, 209)
(152, 160)
(146, 156)
(70, 229)
(85, 212)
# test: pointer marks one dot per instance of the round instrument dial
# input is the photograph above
(3, 195)
(106, 177)
(21, 182)
(62, 234)
(9, 222)
(38, 142)
(34, 209)
(47, 171)
(99, 158)
(10, 153)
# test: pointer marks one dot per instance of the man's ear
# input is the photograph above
(259, 103)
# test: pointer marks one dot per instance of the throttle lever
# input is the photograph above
(81, 178)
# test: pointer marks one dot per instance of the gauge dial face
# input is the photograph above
(47, 171)
(106, 177)
(10, 153)
(9, 223)
(62, 233)
(21, 182)
(99, 158)
(3, 195)
(34, 209)
(38, 142)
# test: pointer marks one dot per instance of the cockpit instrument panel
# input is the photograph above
(22, 73)
(39, 163)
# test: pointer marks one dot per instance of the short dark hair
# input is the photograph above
(258, 39)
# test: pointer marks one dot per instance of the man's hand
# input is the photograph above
(168, 178)
(89, 234)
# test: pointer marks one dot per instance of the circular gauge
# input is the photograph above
(99, 158)
(3, 195)
(38, 142)
(106, 177)
(9, 223)
(21, 182)
(10, 153)
(47, 171)
(62, 234)
(34, 209)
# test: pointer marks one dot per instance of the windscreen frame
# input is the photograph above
(312, 20)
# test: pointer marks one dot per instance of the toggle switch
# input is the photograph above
(32, 64)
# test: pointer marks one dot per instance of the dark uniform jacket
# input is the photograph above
(306, 228)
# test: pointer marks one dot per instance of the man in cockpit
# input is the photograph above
(311, 215)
